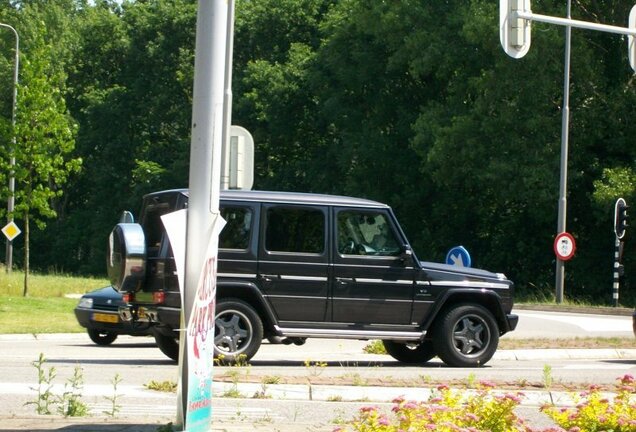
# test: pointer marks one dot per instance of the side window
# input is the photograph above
(236, 233)
(366, 233)
(292, 229)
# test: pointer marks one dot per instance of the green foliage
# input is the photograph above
(70, 401)
(596, 411)
(163, 386)
(410, 103)
(45, 397)
(115, 407)
(446, 411)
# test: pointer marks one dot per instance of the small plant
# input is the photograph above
(375, 347)
(262, 393)
(334, 398)
(271, 379)
(166, 428)
(163, 386)
(45, 397)
(114, 405)
(471, 380)
(596, 412)
(547, 377)
(70, 403)
(357, 379)
(315, 369)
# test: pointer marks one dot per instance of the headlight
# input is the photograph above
(86, 303)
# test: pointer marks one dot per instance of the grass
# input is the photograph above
(47, 307)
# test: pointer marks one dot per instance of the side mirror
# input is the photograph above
(407, 254)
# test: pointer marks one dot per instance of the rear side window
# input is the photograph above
(238, 226)
(291, 229)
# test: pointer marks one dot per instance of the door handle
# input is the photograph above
(344, 281)
(268, 278)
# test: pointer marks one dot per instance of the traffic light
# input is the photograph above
(620, 218)
(631, 40)
(514, 32)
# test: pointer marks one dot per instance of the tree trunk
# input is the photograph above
(26, 254)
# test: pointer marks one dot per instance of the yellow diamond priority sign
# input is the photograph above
(11, 231)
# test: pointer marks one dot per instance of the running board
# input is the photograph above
(350, 334)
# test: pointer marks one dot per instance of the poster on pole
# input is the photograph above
(200, 336)
(200, 329)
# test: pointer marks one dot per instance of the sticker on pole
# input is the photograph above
(564, 246)
(11, 231)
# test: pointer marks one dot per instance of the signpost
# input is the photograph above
(458, 256)
(564, 246)
(620, 226)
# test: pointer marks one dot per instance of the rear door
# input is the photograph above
(293, 261)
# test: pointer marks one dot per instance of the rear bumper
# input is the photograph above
(166, 316)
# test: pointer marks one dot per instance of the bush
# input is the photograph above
(596, 411)
(446, 411)
(481, 411)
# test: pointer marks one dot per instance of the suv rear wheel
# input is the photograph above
(238, 331)
(410, 352)
(466, 336)
(169, 345)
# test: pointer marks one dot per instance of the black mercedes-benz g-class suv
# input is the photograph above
(296, 265)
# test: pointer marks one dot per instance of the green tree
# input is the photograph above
(44, 141)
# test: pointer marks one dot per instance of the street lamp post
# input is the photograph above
(11, 200)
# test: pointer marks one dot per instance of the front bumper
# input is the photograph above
(513, 320)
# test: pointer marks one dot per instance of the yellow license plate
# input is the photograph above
(106, 318)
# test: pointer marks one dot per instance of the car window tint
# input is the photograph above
(295, 230)
(366, 233)
(236, 233)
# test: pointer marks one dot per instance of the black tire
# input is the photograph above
(238, 331)
(466, 335)
(169, 345)
(102, 337)
(410, 352)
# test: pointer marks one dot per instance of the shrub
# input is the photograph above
(446, 411)
(597, 412)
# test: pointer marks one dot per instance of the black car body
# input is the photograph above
(293, 266)
(98, 312)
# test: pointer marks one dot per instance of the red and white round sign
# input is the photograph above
(564, 246)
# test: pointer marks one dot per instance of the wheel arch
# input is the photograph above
(488, 299)
(250, 294)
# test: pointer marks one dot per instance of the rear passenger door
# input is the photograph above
(293, 261)
(373, 284)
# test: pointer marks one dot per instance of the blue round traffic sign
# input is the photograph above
(458, 256)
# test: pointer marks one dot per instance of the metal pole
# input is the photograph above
(617, 265)
(565, 124)
(227, 103)
(205, 166)
(11, 201)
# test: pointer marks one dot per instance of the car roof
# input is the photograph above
(285, 197)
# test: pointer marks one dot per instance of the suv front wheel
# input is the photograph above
(467, 335)
(238, 331)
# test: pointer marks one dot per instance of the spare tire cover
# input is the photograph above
(126, 261)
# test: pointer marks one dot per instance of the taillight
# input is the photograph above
(128, 297)
(158, 297)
